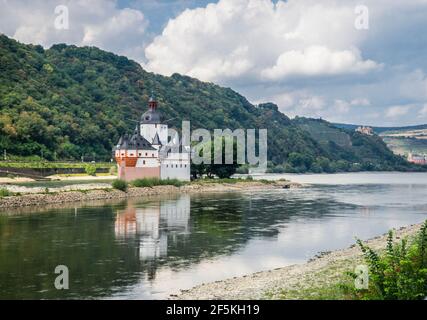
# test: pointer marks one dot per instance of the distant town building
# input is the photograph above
(141, 155)
(417, 159)
(365, 130)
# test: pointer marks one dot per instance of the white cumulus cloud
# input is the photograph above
(96, 23)
(397, 111)
(318, 60)
(256, 40)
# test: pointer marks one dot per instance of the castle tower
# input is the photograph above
(138, 156)
(151, 124)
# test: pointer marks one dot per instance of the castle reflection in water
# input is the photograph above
(153, 224)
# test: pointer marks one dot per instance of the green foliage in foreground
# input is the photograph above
(151, 182)
(397, 272)
(400, 273)
(120, 185)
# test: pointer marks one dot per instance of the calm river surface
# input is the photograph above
(152, 247)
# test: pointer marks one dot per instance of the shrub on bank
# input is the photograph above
(151, 182)
(120, 185)
(90, 169)
(400, 273)
(5, 193)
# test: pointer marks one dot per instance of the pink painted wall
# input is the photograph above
(133, 173)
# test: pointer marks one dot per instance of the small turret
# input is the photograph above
(152, 103)
(151, 115)
(125, 142)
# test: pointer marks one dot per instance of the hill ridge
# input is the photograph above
(69, 101)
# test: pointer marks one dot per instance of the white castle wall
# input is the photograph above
(147, 163)
(176, 166)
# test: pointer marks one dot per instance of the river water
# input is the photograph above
(152, 247)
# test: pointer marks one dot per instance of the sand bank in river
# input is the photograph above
(90, 192)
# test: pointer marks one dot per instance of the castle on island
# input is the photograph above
(145, 153)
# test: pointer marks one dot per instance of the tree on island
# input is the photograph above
(221, 170)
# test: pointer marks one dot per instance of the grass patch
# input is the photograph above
(232, 180)
(214, 180)
(5, 193)
(152, 182)
(265, 181)
(120, 185)
(52, 165)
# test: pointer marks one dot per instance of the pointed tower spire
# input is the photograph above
(156, 140)
(138, 129)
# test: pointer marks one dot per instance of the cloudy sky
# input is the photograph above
(346, 61)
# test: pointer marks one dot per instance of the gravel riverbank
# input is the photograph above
(301, 281)
(91, 192)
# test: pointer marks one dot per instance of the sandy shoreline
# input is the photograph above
(93, 192)
(291, 282)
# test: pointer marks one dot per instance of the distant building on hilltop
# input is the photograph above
(140, 155)
(417, 159)
(365, 130)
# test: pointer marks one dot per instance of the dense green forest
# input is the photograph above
(66, 101)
